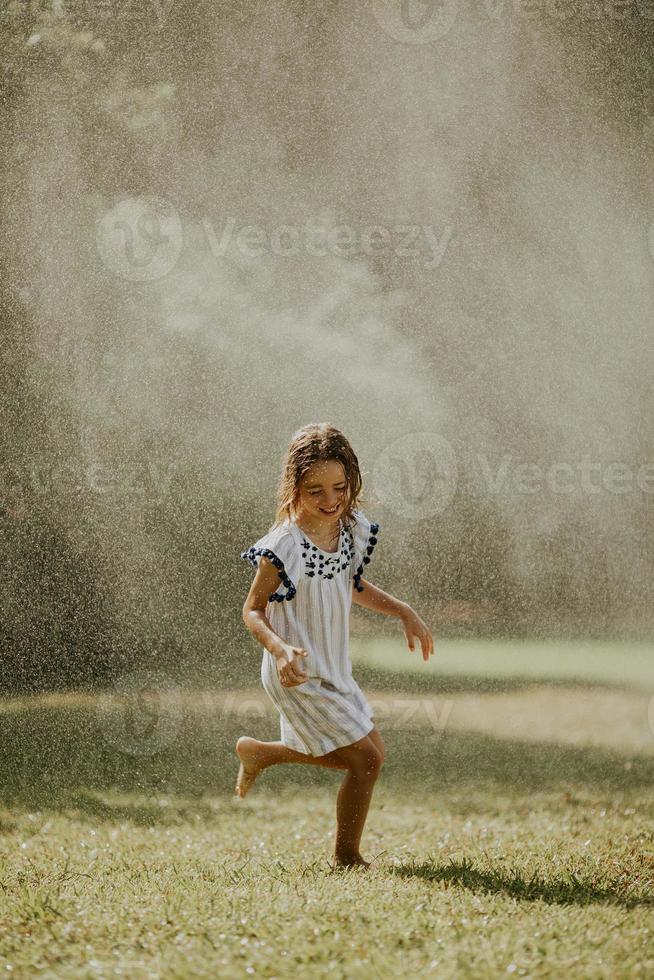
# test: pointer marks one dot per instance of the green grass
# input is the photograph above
(511, 831)
(603, 662)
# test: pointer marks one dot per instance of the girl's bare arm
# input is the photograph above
(264, 583)
(380, 601)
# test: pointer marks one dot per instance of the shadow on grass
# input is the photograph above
(559, 890)
(57, 758)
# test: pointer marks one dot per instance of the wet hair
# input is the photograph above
(314, 443)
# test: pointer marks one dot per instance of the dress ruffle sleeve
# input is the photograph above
(364, 535)
(279, 546)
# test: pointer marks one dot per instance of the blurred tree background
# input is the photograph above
(146, 404)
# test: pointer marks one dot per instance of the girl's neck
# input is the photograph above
(324, 529)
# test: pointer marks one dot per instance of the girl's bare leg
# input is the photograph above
(375, 735)
(364, 761)
(255, 756)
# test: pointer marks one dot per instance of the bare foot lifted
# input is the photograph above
(246, 750)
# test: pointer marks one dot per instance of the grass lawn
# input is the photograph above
(500, 661)
(510, 830)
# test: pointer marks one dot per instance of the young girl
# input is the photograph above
(310, 568)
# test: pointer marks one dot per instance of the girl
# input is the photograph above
(318, 547)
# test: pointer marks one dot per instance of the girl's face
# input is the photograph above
(322, 491)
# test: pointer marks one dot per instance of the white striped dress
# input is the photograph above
(311, 609)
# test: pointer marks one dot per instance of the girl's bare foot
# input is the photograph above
(246, 750)
(349, 861)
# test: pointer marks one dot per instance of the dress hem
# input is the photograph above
(334, 744)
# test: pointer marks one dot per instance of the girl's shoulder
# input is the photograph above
(364, 538)
(279, 537)
(280, 547)
(361, 526)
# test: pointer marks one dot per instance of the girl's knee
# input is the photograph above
(376, 739)
(362, 758)
(369, 762)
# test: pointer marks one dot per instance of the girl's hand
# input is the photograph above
(415, 628)
(290, 668)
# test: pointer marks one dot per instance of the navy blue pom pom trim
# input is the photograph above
(370, 547)
(251, 556)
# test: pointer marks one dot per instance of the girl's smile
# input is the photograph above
(321, 496)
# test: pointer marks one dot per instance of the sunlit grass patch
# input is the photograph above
(510, 834)
(498, 662)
